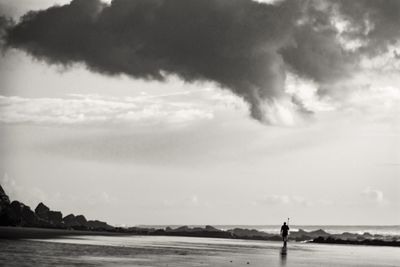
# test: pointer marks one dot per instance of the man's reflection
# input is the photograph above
(283, 254)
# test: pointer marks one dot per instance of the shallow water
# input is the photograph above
(185, 251)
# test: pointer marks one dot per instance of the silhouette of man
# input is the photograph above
(284, 233)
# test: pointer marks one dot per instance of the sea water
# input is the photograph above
(386, 230)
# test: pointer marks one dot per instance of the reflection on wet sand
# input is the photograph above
(283, 256)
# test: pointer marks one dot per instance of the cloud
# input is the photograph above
(245, 46)
(283, 200)
(374, 195)
(99, 110)
(372, 22)
(192, 201)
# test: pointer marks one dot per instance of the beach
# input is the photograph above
(123, 250)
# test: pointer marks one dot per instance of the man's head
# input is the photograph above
(284, 223)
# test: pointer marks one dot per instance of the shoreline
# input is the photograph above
(318, 237)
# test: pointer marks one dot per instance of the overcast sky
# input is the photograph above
(239, 113)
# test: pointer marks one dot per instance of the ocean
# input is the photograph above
(386, 230)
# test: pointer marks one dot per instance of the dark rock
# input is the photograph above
(81, 220)
(319, 232)
(19, 214)
(181, 229)
(301, 232)
(4, 204)
(209, 228)
(76, 222)
(70, 221)
(302, 235)
(4, 200)
(367, 235)
(42, 211)
(48, 218)
(55, 217)
(98, 225)
(158, 232)
(248, 233)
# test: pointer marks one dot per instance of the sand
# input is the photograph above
(10, 232)
(119, 250)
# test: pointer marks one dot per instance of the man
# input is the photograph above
(284, 233)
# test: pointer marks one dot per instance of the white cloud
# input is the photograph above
(270, 2)
(376, 100)
(306, 92)
(374, 195)
(191, 201)
(283, 200)
(99, 110)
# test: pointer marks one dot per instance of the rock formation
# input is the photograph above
(4, 200)
(19, 214)
(70, 221)
(42, 211)
(4, 203)
(48, 217)
(81, 220)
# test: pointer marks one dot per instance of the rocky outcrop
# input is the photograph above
(4, 200)
(80, 223)
(15, 213)
(55, 218)
(42, 211)
(98, 225)
(70, 221)
(4, 204)
(47, 217)
(81, 220)
(249, 233)
(19, 214)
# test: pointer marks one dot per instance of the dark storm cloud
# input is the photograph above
(376, 22)
(241, 45)
(5, 23)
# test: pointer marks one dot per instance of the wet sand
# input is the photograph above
(12, 232)
(185, 251)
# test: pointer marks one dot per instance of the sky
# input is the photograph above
(232, 112)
